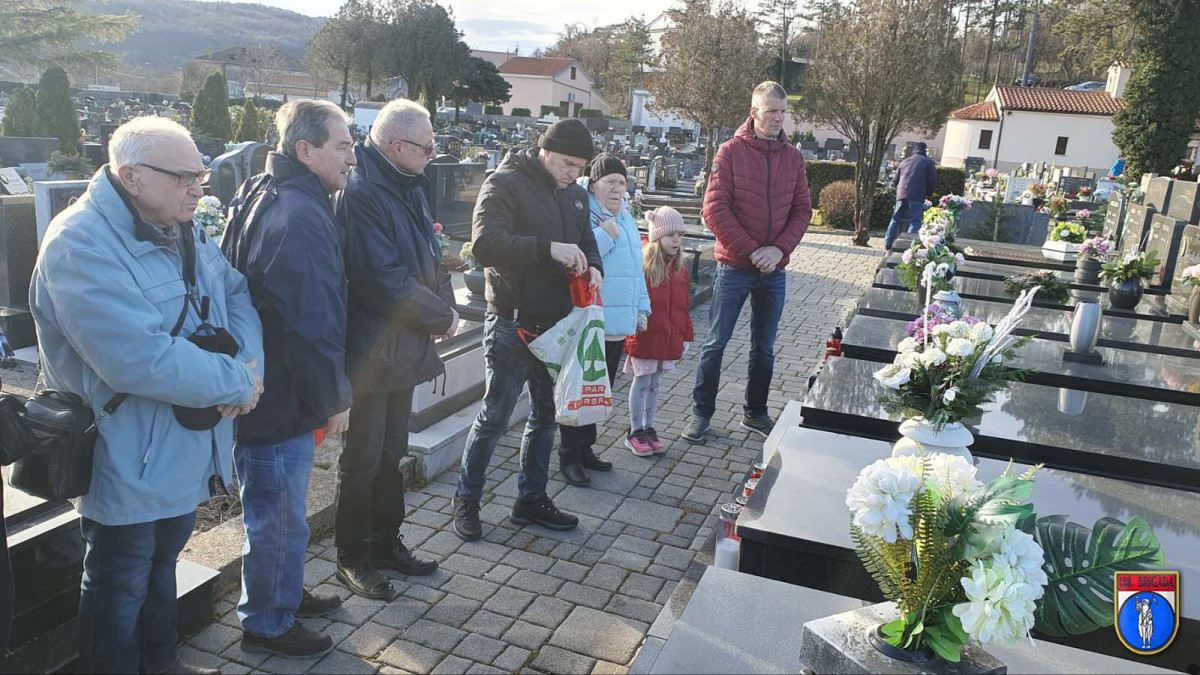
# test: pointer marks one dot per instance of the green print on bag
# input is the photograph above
(591, 351)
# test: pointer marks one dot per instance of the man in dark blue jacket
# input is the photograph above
(400, 299)
(914, 182)
(283, 237)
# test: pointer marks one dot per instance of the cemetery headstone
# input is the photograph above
(1015, 186)
(973, 164)
(18, 251)
(1158, 194)
(1146, 179)
(834, 144)
(1189, 254)
(1107, 188)
(453, 188)
(16, 150)
(1114, 217)
(1069, 184)
(51, 197)
(1137, 223)
(1165, 236)
(11, 182)
(1185, 201)
(232, 169)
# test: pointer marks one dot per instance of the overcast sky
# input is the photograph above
(502, 24)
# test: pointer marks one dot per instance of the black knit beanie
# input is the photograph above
(569, 137)
(604, 165)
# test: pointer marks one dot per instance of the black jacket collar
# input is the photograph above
(378, 170)
(287, 171)
(526, 161)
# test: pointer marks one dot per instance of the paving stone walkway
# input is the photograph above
(580, 601)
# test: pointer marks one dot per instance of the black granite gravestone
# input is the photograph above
(16, 150)
(1165, 236)
(1189, 255)
(1137, 223)
(1071, 184)
(1114, 217)
(18, 251)
(51, 197)
(453, 189)
(1158, 193)
(1185, 201)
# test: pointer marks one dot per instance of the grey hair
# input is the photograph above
(768, 89)
(131, 142)
(305, 120)
(399, 118)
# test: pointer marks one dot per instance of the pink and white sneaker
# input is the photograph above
(638, 444)
(655, 444)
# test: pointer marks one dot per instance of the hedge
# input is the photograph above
(590, 112)
(493, 110)
(838, 199)
(822, 173)
(520, 112)
(950, 181)
(557, 110)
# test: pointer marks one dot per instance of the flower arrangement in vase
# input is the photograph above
(636, 206)
(1126, 278)
(1086, 192)
(955, 204)
(210, 216)
(944, 370)
(1053, 288)
(930, 252)
(1038, 189)
(1057, 204)
(1190, 278)
(1092, 252)
(968, 561)
(1070, 231)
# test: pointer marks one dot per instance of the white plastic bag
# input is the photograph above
(573, 352)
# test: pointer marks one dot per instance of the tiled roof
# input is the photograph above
(1044, 99)
(528, 65)
(984, 111)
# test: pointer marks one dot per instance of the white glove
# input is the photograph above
(643, 320)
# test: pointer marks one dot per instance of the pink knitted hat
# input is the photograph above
(663, 221)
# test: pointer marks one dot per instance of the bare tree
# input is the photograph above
(853, 86)
(261, 69)
(711, 60)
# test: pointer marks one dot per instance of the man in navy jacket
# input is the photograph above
(400, 299)
(914, 181)
(283, 237)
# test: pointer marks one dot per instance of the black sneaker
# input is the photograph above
(696, 430)
(313, 605)
(542, 511)
(592, 461)
(761, 425)
(466, 519)
(392, 554)
(361, 577)
(299, 642)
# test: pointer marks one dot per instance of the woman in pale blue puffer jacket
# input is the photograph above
(623, 294)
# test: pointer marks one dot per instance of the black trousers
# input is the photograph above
(370, 489)
(578, 440)
(6, 582)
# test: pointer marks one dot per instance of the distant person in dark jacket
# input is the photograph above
(914, 182)
(531, 229)
(282, 235)
(400, 300)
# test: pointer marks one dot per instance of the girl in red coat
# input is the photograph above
(655, 349)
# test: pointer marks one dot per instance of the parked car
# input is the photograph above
(1090, 85)
(1032, 80)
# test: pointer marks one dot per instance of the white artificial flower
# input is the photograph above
(960, 259)
(981, 332)
(960, 347)
(942, 269)
(908, 359)
(211, 202)
(951, 474)
(908, 344)
(932, 357)
(1020, 550)
(1000, 604)
(881, 500)
(941, 329)
(897, 379)
(949, 395)
(960, 329)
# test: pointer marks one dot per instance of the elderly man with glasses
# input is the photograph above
(400, 301)
(121, 282)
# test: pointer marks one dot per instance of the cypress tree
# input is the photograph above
(1162, 99)
(20, 115)
(210, 110)
(56, 111)
(250, 128)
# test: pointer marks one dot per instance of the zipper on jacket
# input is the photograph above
(770, 211)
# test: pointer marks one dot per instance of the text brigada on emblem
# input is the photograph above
(1146, 610)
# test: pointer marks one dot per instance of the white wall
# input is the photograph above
(529, 91)
(962, 141)
(935, 142)
(1031, 137)
(640, 114)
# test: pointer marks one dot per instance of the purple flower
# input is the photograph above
(922, 253)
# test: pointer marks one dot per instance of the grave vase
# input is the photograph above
(1087, 271)
(476, 283)
(1125, 294)
(918, 436)
(1194, 305)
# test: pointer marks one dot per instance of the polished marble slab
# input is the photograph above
(1114, 436)
(1000, 253)
(995, 272)
(1151, 308)
(766, 637)
(1156, 377)
(1118, 332)
(795, 527)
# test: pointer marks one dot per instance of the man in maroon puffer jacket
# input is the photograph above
(757, 204)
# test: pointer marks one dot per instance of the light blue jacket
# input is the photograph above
(105, 301)
(624, 289)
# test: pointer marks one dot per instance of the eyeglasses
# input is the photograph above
(429, 149)
(184, 179)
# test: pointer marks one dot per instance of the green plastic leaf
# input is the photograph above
(1080, 564)
(955, 627)
(942, 646)
(976, 516)
(893, 628)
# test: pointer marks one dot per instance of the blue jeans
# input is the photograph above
(508, 365)
(127, 597)
(730, 288)
(910, 210)
(274, 480)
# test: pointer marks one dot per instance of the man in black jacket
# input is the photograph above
(530, 230)
(400, 299)
(283, 237)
